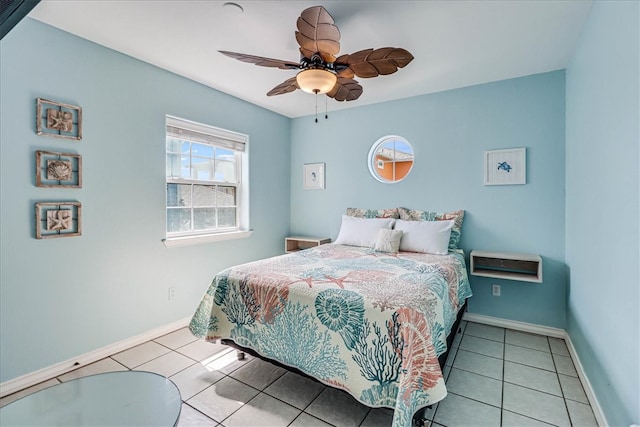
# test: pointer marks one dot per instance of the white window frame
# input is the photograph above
(237, 142)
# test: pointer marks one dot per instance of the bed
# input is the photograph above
(369, 322)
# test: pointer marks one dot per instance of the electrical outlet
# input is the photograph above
(495, 290)
(172, 293)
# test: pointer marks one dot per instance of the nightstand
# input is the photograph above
(505, 265)
(298, 243)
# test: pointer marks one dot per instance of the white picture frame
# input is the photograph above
(313, 176)
(505, 167)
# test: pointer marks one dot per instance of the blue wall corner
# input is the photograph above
(602, 206)
(449, 132)
(64, 297)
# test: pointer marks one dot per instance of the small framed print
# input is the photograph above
(314, 176)
(58, 219)
(505, 167)
(58, 169)
(58, 119)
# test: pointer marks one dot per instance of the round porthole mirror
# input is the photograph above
(390, 159)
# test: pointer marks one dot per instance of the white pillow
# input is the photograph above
(388, 240)
(431, 237)
(361, 231)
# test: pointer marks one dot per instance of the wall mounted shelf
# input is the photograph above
(505, 265)
(297, 243)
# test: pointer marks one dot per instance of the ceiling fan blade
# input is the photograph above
(318, 34)
(345, 90)
(286, 86)
(262, 61)
(347, 72)
(374, 62)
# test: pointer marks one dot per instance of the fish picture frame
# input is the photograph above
(313, 176)
(505, 167)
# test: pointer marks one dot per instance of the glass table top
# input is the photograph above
(124, 398)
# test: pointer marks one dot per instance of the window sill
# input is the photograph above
(172, 242)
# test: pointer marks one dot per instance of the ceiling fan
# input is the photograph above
(320, 70)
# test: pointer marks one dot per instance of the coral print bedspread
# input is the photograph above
(370, 323)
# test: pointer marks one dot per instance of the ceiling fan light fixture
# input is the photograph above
(315, 80)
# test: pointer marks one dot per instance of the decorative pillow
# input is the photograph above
(456, 216)
(388, 240)
(431, 237)
(361, 231)
(373, 213)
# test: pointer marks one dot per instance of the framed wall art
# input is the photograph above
(505, 167)
(58, 219)
(313, 176)
(58, 169)
(58, 119)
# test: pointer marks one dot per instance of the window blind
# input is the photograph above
(184, 129)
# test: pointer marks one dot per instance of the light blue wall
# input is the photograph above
(602, 232)
(63, 297)
(449, 132)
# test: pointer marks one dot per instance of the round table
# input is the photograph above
(123, 398)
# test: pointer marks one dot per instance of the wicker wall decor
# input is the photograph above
(58, 169)
(58, 119)
(58, 219)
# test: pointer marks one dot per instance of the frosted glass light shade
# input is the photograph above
(316, 81)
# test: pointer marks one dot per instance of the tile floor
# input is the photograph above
(494, 376)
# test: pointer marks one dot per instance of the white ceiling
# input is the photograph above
(455, 43)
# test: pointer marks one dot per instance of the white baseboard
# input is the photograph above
(551, 332)
(58, 369)
(515, 325)
(588, 390)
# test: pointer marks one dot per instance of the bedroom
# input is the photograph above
(64, 298)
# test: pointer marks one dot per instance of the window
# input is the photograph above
(390, 159)
(206, 176)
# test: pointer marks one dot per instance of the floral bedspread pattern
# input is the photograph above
(370, 323)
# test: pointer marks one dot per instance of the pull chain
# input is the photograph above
(326, 108)
(326, 100)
